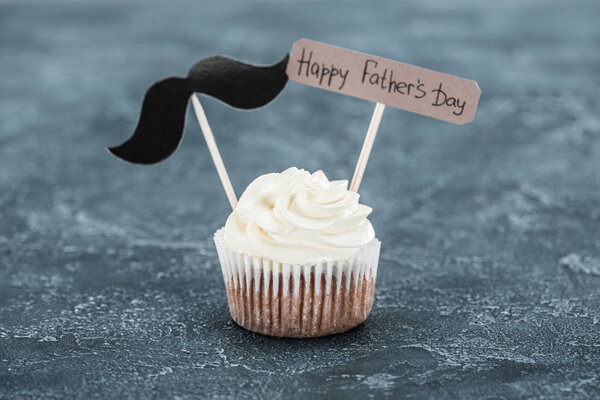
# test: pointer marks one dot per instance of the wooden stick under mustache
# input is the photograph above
(214, 151)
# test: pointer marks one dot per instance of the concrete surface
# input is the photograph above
(489, 276)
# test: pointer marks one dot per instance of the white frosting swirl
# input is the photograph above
(296, 217)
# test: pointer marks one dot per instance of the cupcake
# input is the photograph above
(299, 256)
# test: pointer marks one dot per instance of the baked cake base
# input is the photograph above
(299, 300)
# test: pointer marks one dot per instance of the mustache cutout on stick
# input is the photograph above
(162, 118)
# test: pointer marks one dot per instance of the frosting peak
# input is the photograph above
(296, 217)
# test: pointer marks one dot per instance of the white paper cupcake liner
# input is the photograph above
(308, 300)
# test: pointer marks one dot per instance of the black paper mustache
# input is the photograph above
(162, 119)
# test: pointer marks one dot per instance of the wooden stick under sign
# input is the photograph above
(214, 151)
(367, 146)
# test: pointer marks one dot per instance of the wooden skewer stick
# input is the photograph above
(366, 148)
(214, 151)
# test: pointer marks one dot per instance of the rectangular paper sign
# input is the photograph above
(378, 79)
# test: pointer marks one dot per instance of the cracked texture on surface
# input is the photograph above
(488, 281)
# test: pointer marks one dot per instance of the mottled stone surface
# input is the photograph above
(489, 279)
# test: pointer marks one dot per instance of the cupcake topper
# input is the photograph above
(161, 123)
(383, 81)
(240, 85)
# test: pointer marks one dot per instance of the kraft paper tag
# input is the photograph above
(378, 79)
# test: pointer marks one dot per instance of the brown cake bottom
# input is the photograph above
(305, 312)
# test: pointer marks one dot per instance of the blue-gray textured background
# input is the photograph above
(489, 276)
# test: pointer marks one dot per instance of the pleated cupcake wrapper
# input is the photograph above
(308, 300)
